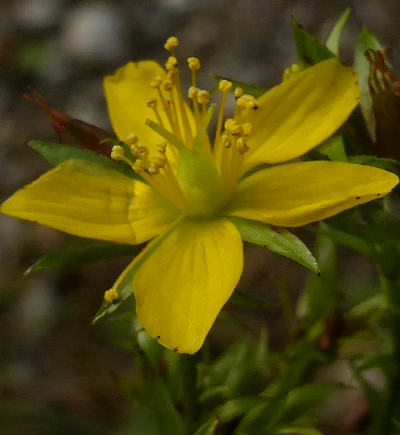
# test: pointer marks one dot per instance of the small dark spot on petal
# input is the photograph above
(378, 194)
(358, 197)
(176, 349)
(158, 337)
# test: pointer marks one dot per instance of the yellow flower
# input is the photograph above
(191, 186)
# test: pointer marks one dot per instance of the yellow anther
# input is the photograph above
(140, 151)
(153, 168)
(291, 71)
(117, 153)
(171, 43)
(246, 128)
(225, 86)
(226, 140)
(152, 103)
(132, 139)
(231, 125)
(192, 92)
(111, 295)
(162, 147)
(156, 82)
(203, 97)
(139, 166)
(160, 160)
(171, 63)
(238, 92)
(242, 146)
(193, 63)
(168, 85)
(247, 101)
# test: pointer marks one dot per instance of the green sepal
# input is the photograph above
(82, 255)
(309, 50)
(255, 91)
(56, 154)
(280, 241)
(333, 40)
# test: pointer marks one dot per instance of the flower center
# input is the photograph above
(197, 176)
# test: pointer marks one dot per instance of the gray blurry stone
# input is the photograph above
(37, 13)
(94, 33)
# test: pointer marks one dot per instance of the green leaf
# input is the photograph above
(333, 148)
(125, 286)
(154, 396)
(56, 153)
(83, 255)
(334, 38)
(281, 242)
(236, 407)
(299, 431)
(208, 428)
(309, 50)
(255, 91)
(366, 40)
(248, 300)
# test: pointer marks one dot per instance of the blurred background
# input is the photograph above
(57, 371)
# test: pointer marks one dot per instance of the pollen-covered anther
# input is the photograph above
(247, 128)
(156, 82)
(111, 295)
(238, 92)
(193, 92)
(241, 145)
(168, 85)
(161, 147)
(171, 63)
(193, 63)
(171, 43)
(132, 139)
(152, 103)
(246, 101)
(225, 86)
(139, 166)
(140, 151)
(226, 140)
(232, 127)
(203, 97)
(117, 153)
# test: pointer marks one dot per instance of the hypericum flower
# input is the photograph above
(191, 186)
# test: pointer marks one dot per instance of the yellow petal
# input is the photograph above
(298, 193)
(86, 200)
(182, 287)
(300, 113)
(127, 93)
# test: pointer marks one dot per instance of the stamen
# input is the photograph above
(203, 97)
(192, 94)
(153, 105)
(171, 43)
(224, 86)
(173, 74)
(169, 87)
(238, 92)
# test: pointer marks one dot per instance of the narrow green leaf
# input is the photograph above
(309, 50)
(333, 148)
(333, 40)
(82, 255)
(255, 91)
(281, 242)
(208, 428)
(236, 407)
(56, 153)
(248, 300)
(154, 396)
(299, 431)
(366, 40)
(125, 286)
